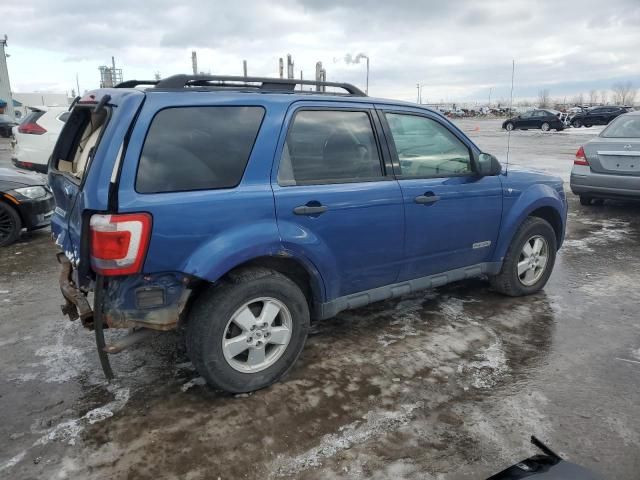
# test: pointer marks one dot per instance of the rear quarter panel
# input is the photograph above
(206, 233)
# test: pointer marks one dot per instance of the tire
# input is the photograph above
(508, 281)
(585, 201)
(509, 127)
(545, 127)
(10, 225)
(598, 202)
(211, 321)
(587, 125)
(576, 123)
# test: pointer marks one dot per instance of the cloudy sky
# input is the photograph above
(459, 50)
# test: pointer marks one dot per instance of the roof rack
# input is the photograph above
(135, 83)
(270, 84)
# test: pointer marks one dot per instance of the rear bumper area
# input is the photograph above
(77, 305)
(35, 167)
(605, 185)
(154, 302)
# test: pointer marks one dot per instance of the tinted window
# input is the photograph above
(32, 116)
(426, 148)
(329, 146)
(626, 126)
(63, 117)
(196, 148)
(527, 114)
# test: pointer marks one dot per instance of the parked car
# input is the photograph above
(6, 124)
(25, 203)
(243, 216)
(36, 136)
(597, 116)
(545, 120)
(608, 166)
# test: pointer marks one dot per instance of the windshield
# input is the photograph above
(623, 127)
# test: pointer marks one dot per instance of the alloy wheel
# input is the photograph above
(7, 225)
(533, 259)
(257, 335)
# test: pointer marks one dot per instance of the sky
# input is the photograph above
(458, 50)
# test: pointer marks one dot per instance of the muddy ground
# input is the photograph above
(446, 384)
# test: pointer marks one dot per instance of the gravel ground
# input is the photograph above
(445, 384)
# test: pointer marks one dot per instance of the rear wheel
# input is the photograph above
(529, 260)
(545, 127)
(10, 225)
(584, 200)
(576, 123)
(248, 332)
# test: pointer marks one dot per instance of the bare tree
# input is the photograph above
(624, 93)
(578, 99)
(544, 99)
(604, 96)
(593, 97)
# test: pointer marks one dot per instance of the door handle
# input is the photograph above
(427, 199)
(310, 209)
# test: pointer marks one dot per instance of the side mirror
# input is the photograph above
(488, 165)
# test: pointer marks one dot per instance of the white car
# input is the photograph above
(36, 136)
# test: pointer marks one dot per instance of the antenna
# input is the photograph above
(513, 71)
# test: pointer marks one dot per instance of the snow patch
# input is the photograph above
(376, 424)
(193, 382)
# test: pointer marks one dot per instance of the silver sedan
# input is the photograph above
(609, 165)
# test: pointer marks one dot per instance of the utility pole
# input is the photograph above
(244, 67)
(5, 86)
(366, 90)
(490, 88)
(281, 67)
(418, 99)
(78, 85)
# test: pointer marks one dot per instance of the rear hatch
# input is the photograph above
(84, 164)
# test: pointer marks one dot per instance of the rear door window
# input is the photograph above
(197, 148)
(330, 146)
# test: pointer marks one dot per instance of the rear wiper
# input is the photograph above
(75, 100)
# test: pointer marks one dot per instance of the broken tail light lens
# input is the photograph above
(118, 243)
(581, 158)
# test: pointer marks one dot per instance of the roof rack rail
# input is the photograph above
(283, 84)
(135, 83)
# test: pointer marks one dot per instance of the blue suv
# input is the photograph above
(242, 208)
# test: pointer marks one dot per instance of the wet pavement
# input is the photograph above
(446, 384)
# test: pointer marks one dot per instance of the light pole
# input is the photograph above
(366, 90)
(490, 88)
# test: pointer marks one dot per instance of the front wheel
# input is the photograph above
(10, 225)
(509, 127)
(246, 333)
(529, 259)
(576, 124)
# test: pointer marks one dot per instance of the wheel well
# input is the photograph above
(292, 269)
(552, 216)
(17, 210)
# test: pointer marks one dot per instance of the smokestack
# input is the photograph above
(318, 75)
(281, 67)
(194, 62)
(289, 66)
(244, 67)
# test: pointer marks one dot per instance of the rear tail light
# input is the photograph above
(581, 158)
(119, 243)
(31, 128)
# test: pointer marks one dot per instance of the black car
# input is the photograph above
(542, 119)
(596, 116)
(25, 202)
(6, 124)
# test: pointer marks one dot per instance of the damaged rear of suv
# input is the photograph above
(244, 207)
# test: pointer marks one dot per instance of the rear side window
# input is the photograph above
(329, 146)
(32, 116)
(63, 117)
(197, 148)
